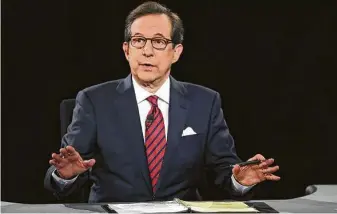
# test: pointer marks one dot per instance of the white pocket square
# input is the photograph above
(188, 131)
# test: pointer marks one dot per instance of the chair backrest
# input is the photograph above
(66, 113)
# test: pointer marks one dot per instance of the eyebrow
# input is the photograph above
(138, 34)
(157, 34)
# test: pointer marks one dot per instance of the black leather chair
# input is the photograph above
(66, 113)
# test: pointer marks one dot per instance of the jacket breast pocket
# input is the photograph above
(191, 150)
(193, 138)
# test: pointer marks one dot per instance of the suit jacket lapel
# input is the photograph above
(127, 103)
(177, 117)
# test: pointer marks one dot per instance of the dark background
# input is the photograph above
(274, 65)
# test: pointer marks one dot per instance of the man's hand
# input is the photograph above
(253, 174)
(69, 163)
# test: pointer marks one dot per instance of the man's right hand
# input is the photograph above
(69, 163)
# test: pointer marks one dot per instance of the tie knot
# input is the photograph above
(153, 100)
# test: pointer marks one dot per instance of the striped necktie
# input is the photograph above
(155, 140)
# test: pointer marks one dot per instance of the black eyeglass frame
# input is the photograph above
(167, 41)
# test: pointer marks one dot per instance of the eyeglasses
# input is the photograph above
(158, 43)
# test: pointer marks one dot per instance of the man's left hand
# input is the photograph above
(253, 174)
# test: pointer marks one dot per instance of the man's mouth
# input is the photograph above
(147, 64)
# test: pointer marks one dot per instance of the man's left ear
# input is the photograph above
(178, 49)
(126, 50)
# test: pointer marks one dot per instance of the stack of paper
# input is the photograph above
(152, 207)
(212, 206)
(181, 206)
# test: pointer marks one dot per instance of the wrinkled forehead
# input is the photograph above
(151, 26)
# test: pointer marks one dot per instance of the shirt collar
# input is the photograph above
(163, 92)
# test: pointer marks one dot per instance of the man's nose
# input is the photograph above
(148, 49)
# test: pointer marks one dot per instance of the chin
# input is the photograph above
(147, 76)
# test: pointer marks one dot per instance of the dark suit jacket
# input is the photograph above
(106, 126)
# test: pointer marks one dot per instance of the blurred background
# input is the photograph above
(273, 63)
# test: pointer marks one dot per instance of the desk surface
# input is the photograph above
(323, 200)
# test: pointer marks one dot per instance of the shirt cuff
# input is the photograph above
(239, 188)
(62, 182)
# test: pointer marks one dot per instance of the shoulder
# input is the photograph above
(108, 86)
(199, 91)
(101, 91)
(98, 92)
(204, 100)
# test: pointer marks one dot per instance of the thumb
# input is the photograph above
(89, 163)
(236, 169)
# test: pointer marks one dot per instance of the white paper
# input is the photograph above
(153, 207)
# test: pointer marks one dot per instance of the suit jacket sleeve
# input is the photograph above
(220, 150)
(81, 134)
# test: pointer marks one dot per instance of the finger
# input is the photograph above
(53, 162)
(60, 161)
(57, 165)
(71, 150)
(266, 163)
(236, 169)
(257, 157)
(89, 163)
(57, 157)
(64, 152)
(272, 177)
(271, 170)
(74, 157)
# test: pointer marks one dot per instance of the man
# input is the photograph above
(149, 136)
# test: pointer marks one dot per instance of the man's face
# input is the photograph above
(149, 64)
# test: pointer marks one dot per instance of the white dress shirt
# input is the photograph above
(144, 107)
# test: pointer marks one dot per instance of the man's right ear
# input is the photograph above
(126, 50)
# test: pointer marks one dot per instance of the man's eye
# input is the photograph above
(159, 41)
(138, 40)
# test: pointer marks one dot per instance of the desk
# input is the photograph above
(323, 200)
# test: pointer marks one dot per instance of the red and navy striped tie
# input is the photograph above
(155, 140)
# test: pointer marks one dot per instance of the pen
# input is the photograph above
(246, 163)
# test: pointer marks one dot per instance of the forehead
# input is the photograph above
(151, 25)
